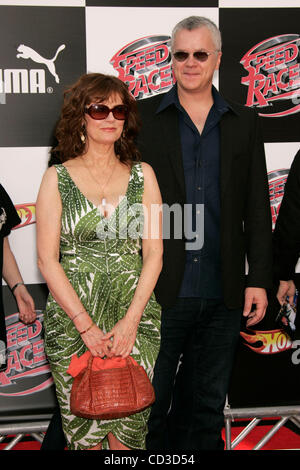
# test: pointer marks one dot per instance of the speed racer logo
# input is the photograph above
(27, 370)
(277, 180)
(267, 342)
(273, 78)
(145, 65)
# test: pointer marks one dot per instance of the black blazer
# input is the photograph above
(287, 229)
(245, 208)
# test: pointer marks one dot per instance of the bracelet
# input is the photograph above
(85, 331)
(16, 285)
(77, 315)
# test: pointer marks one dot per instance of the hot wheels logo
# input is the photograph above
(26, 359)
(268, 342)
(277, 180)
(26, 213)
(273, 68)
(145, 65)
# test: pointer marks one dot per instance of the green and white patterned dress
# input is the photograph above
(102, 260)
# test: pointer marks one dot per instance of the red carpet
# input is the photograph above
(23, 445)
(284, 439)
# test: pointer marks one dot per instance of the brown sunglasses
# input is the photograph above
(101, 111)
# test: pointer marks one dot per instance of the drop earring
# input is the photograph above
(82, 138)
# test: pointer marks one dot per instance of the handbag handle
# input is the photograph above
(128, 362)
(130, 368)
(90, 362)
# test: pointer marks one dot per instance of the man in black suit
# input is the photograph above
(209, 160)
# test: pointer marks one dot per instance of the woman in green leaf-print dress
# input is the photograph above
(94, 211)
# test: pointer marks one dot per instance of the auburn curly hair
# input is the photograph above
(94, 87)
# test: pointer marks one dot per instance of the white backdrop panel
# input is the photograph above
(21, 173)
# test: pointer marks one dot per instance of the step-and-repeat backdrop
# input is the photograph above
(46, 46)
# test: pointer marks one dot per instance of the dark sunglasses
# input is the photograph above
(100, 111)
(201, 56)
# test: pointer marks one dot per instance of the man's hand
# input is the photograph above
(258, 297)
(286, 289)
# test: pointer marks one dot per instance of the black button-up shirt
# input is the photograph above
(201, 163)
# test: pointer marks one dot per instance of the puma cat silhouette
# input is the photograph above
(26, 52)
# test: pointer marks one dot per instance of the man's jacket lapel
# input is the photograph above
(169, 122)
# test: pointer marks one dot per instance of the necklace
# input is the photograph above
(103, 199)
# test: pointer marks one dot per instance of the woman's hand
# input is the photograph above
(122, 337)
(91, 334)
(95, 342)
(26, 305)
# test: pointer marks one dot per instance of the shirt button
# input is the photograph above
(195, 260)
(199, 188)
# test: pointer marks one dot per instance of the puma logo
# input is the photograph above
(26, 52)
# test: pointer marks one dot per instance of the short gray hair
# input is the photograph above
(195, 22)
